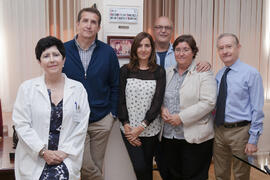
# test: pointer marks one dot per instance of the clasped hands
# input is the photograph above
(54, 157)
(132, 134)
(172, 119)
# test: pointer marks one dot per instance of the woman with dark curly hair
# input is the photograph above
(142, 86)
(51, 115)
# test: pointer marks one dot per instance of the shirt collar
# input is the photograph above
(78, 45)
(235, 66)
(170, 50)
(175, 69)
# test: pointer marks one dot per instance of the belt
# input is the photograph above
(237, 124)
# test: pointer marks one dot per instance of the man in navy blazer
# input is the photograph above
(95, 65)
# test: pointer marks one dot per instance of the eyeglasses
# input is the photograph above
(159, 28)
(184, 50)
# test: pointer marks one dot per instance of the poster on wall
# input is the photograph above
(123, 15)
(121, 45)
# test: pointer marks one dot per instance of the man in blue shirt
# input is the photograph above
(239, 111)
(95, 65)
(163, 31)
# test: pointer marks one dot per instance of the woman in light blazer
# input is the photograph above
(51, 115)
(190, 96)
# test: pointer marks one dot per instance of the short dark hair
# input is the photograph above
(189, 40)
(228, 35)
(134, 60)
(47, 42)
(92, 10)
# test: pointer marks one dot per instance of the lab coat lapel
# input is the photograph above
(42, 89)
(68, 89)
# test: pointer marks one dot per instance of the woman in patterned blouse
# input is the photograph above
(142, 86)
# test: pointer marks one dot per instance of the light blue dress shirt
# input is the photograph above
(172, 103)
(245, 97)
(169, 58)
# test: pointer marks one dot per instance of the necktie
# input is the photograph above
(221, 99)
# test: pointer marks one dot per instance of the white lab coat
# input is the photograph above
(31, 116)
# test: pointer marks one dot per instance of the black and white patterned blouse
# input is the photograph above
(141, 96)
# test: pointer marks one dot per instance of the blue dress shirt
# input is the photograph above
(245, 97)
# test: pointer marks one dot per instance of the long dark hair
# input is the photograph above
(133, 64)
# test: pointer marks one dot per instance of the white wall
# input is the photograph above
(112, 29)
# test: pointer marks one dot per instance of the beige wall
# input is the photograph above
(264, 142)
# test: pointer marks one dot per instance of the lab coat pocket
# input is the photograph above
(76, 116)
(26, 169)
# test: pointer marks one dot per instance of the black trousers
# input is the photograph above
(142, 157)
(187, 161)
(160, 161)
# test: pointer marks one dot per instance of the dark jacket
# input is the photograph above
(101, 80)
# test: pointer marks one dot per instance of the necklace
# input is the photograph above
(55, 86)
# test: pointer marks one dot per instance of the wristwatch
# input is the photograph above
(144, 125)
(42, 151)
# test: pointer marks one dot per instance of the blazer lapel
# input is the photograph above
(169, 76)
(191, 70)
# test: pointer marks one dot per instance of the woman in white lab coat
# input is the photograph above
(51, 115)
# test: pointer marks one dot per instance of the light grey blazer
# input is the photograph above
(197, 99)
